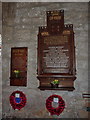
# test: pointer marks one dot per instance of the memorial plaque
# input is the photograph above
(56, 53)
(18, 66)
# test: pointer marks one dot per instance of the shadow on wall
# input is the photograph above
(0, 44)
(0, 78)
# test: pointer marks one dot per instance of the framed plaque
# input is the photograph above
(56, 56)
(18, 66)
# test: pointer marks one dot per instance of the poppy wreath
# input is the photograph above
(59, 109)
(13, 102)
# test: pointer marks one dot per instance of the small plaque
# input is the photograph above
(55, 21)
(18, 66)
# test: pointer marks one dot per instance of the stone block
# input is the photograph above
(7, 34)
(22, 35)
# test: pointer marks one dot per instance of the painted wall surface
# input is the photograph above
(20, 29)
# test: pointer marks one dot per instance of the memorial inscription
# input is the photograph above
(56, 54)
(55, 40)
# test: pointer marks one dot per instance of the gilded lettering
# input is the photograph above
(66, 32)
(55, 40)
(55, 13)
(18, 51)
(54, 17)
(44, 33)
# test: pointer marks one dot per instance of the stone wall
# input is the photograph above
(20, 29)
(0, 62)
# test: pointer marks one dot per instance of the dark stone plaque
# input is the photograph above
(18, 66)
(56, 52)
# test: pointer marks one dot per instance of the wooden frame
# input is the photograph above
(56, 53)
